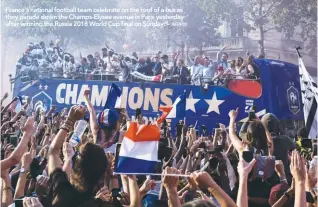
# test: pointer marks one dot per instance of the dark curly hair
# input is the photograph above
(89, 168)
(256, 136)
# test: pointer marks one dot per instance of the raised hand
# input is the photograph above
(147, 186)
(26, 160)
(297, 167)
(104, 194)
(87, 92)
(5, 95)
(170, 182)
(124, 199)
(31, 202)
(244, 168)
(41, 186)
(28, 126)
(53, 107)
(202, 179)
(233, 114)
(76, 113)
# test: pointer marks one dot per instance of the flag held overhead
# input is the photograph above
(109, 116)
(178, 108)
(139, 150)
(114, 97)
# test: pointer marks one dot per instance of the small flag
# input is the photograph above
(165, 112)
(178, 108)
(309, 99)
(109, 116)
(113, 98)
(16, 106)
(157, 78)
(139, 150)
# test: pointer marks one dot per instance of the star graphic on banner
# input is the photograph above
(40, 87)
(46, 87)
(214, 104)
(190, 102)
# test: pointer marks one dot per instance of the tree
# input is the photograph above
(302, 13)
(267, 15)
(258, 14)
(201, 30)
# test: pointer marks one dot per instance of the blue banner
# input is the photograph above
(279, 94)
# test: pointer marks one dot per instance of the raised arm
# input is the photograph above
(237, 143)
(190, 62)
(8, 105)
(6, 196)
(26, 161)
(243, 169)
(219, 54)
(181, 148)
(298, 170)
(4, 98)
(92, 115)
(49, 113)
(230, 171)
(54, 160)
(135, 200)
(16, 155)
(68, 153)
(204, 181)
(6, 188)
(171, 185)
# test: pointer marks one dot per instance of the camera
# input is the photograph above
(214, 162)
(179, 129)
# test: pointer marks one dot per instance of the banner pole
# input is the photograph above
(155, 174)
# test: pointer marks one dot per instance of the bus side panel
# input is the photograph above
(286, 92)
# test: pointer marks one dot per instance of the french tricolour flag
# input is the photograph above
(139, 150)
(178, 108)
(113, 98)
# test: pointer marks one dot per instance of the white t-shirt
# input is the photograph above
(242, 74)
(196, 73)
(56, 68)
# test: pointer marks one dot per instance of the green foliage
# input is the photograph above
(280, 15)
(302, 13)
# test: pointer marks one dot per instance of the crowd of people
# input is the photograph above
(53, 62)
(255, 166)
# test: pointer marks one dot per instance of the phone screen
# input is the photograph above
(13, 140)
(248, 156)
(314, 150)
(2, 154)
(138, 112)
(202, 145)
(116, 193)
(214, 162)
(18, 202)
(219, 148)
(251, 114)
(309, 198)
(118, 145)
(179, 129)
(306, 143)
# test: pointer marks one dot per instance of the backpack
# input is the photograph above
(264, 167)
